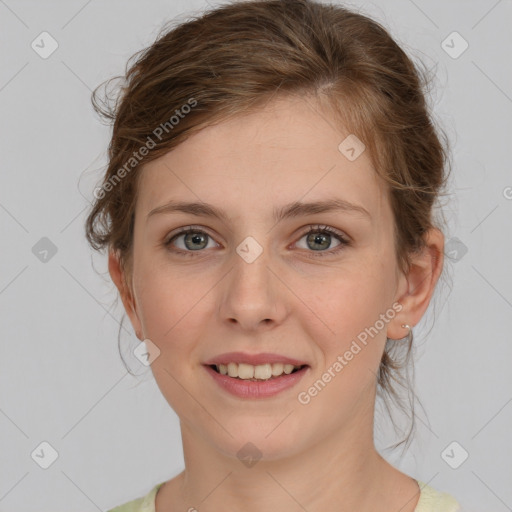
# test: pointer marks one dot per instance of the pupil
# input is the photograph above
(196, 238)
(316, 237)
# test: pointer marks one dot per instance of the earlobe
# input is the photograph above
(426, 267)
(118, 277)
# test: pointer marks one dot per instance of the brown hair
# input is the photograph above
(233, 59)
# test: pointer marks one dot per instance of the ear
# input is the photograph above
(118, 276)
(417, 287)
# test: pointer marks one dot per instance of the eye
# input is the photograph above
(319, 238)
(194, 239)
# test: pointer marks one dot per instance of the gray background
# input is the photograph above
(61, 378)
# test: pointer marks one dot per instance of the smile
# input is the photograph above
(259, 372)
(248, 386)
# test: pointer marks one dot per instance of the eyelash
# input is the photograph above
(344, 242)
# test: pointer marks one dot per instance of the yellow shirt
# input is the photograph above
(430, 500)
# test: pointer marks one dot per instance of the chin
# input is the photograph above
(251, 443)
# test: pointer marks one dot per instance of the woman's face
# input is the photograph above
(256, 283)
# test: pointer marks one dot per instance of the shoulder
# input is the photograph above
(143, 504)
(432, 500)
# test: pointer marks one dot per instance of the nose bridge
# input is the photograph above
(251, 295)
(251, 259)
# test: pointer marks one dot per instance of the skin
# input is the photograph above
(320, 456)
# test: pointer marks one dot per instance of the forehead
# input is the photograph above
(288, 151)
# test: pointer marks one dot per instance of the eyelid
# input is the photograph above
(184, 229)
(313, 228)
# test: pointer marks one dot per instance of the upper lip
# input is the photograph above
(253, 359)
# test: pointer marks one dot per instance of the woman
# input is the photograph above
(268, 213)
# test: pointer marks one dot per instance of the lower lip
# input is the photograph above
(253, 389)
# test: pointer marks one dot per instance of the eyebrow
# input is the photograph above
(292, 210)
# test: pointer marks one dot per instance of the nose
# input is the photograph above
(253, 297)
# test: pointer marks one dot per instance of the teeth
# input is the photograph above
(260, 372)
(277, 369)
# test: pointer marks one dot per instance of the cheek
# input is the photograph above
(168, 302)
(352, 305)
(173, 314)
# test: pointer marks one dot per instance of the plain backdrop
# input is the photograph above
(66, 399)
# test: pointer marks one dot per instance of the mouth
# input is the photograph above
(259, 373)
(265, 380)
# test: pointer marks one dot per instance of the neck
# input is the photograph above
(342, 472)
